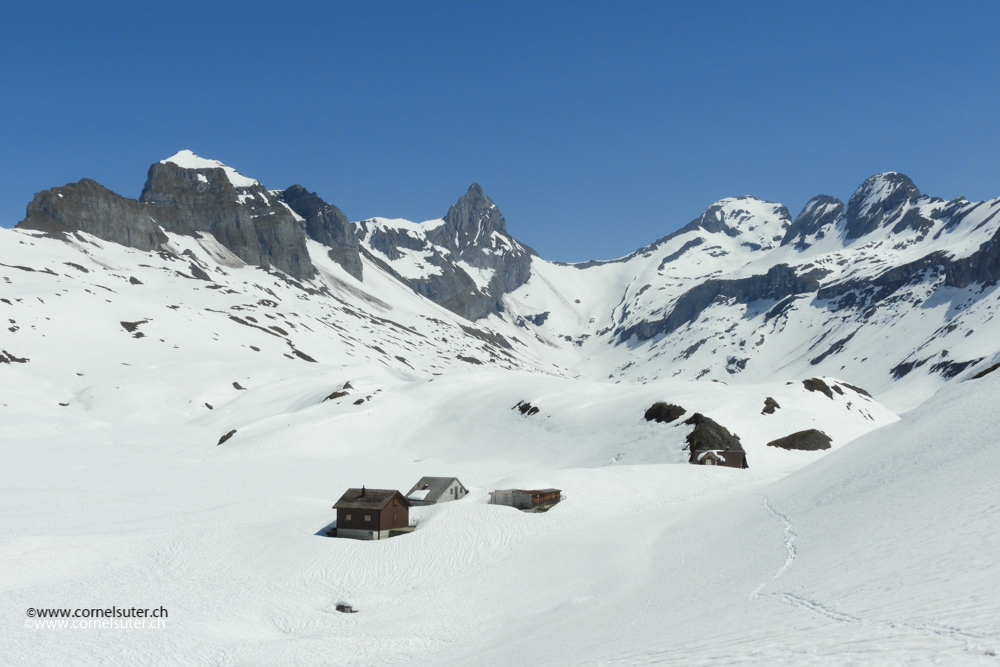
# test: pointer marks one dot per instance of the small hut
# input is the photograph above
(371, 514)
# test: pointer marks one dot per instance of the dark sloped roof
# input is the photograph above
(436, 486)
(374, 499)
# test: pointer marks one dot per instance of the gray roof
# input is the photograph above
(373, 499)
(436, 486)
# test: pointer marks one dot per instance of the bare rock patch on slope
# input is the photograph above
(810, 440)
(664, 413)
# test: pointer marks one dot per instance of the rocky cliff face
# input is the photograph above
(328, 225)
(90, 207)
(241, 215)
(184, 195)
(877, 197)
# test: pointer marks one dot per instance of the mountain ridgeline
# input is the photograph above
(891, 282)
(187, 195)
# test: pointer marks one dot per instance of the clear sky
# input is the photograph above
(596, 127)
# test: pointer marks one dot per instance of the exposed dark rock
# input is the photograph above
(470, 360)
(90, 207)
(810, 440)
(985, 372)
(6, 358)
(328, 225)
(226, 437)
(816, 217)
(359, 401)
(859, 292)
(259, 229)
(335, 395)
(198, 273)
(133, 328)
(663, 413)
(525, 408)
(902, 369)
(539, 319)
(236, 385)
(346, 608)
(693, 243)
(835, 348)
(209, 406)
(303, 356)
(815, 384)
(473, 232)
(770, 405)
(856, 389)
(691, 349)
(134, 281)
(950, 369)
(779, 282)
(734, 365)
(709, 434)
(877, 196)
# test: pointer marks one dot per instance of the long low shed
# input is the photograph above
(524, 499)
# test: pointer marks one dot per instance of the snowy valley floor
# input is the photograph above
(881, 552)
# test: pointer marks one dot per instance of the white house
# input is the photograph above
(433, 490)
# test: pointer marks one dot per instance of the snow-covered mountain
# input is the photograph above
(892, 292)
(191, 378)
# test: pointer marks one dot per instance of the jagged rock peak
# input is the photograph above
(186, 159)
(816, 216)
(474, 215)
(876, 197)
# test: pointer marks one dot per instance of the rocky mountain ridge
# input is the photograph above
(892, 286)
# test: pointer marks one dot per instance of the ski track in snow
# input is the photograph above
(789, 546)
(825, 611)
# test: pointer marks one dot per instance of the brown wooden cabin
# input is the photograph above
(370, 514)
(730, 458)
(525, 499)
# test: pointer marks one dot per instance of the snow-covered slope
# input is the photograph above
(191, 379)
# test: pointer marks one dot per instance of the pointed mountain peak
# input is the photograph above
(475, 194)
(186, 159)
(475, 213)
(878, 195)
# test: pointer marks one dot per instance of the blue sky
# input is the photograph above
(596, 127)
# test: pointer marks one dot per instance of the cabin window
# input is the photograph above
(394, 518)
(368, 517)
(393, 502)
(347, 517)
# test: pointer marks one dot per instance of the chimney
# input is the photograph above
(362, 490)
